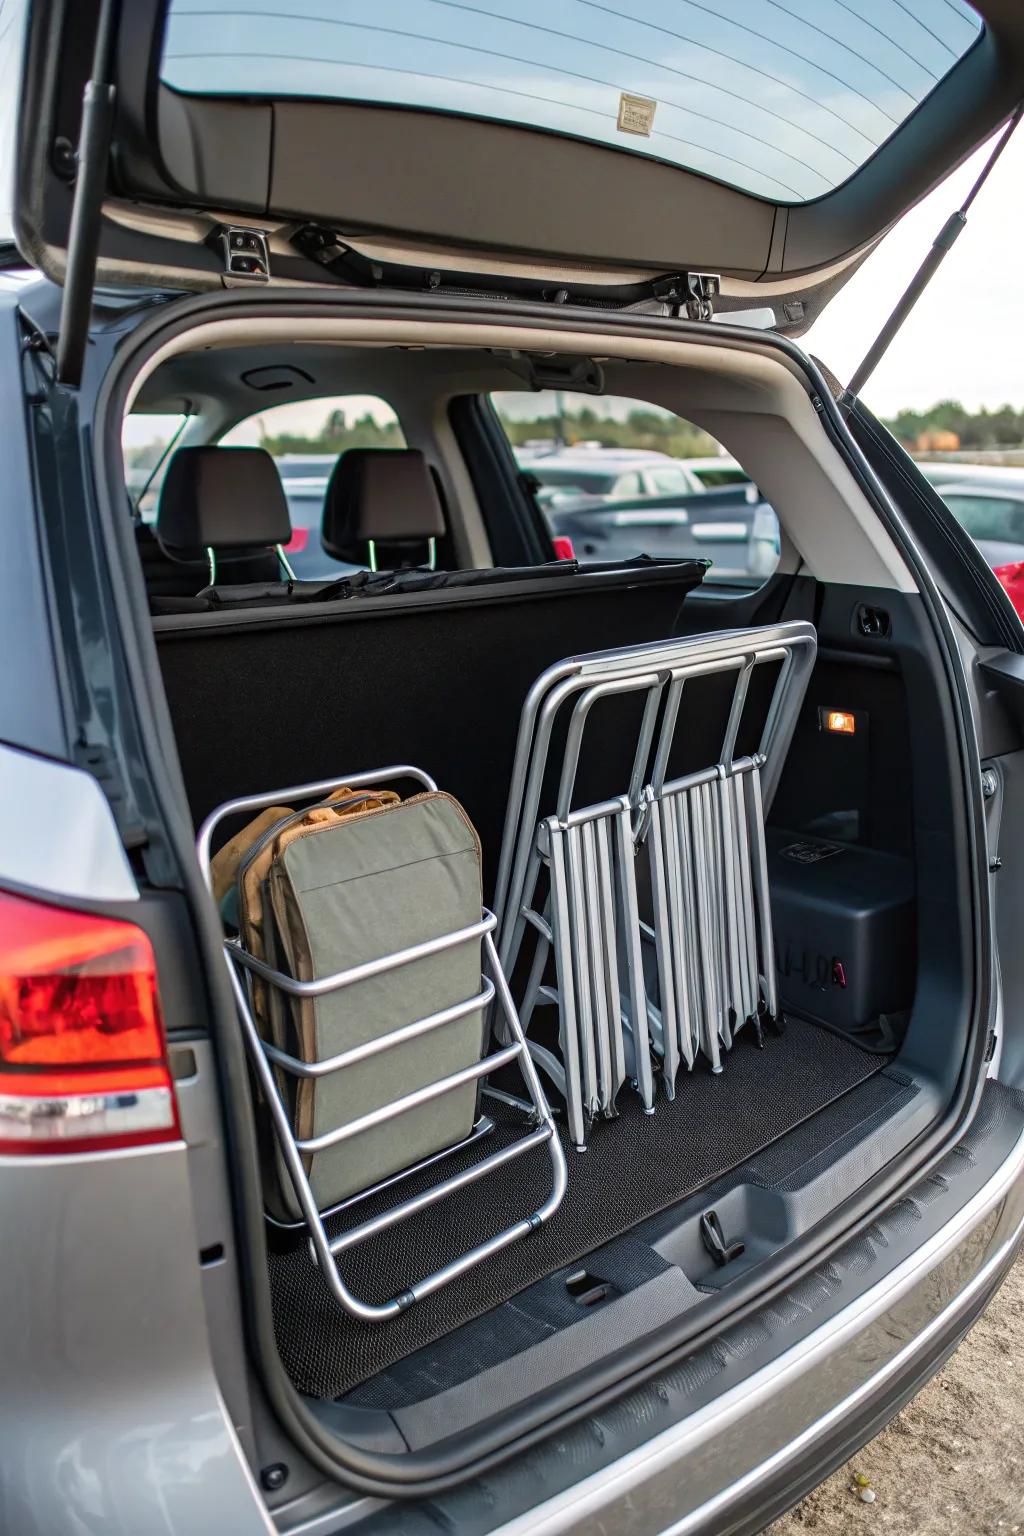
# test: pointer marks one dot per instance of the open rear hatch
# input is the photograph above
(659, 155)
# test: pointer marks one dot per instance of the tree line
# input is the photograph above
(642, 428)
(1003, 428)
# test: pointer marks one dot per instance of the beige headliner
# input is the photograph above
(755, 404)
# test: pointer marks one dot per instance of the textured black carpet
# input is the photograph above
(634, 1166)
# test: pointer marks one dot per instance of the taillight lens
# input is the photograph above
(562, 546)
(298, 541)
(1011, 577)
(83, 1063)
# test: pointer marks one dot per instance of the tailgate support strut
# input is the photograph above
(84, 238)
(942, 243)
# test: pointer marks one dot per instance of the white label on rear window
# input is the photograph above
(636, 114)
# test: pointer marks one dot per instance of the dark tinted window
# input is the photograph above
(997, 518)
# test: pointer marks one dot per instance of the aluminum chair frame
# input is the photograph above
(267, 1060)
(703, 833)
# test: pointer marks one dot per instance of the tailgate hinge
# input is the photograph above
(692, 292)
(245, 253)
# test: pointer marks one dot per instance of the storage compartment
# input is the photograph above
(845, 929)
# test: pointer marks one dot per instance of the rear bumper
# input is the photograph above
(736, 1463)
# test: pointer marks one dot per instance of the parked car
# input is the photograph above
(988, 501)
(624, 474)
(733, 528)
(685, 1326)
(305, 478)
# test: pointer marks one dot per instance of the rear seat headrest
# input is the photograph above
(222, 498)
(380, 497)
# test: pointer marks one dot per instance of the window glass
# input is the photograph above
(147, 440)
(668, 482)
(611, 475)
(710, 477)
(785, 101)
(306, 438)
(995, 518)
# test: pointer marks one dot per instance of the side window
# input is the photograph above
(998, 519)
(306, 438)
(147, 441)
(613, 476)
(669, 482)
(715, 476)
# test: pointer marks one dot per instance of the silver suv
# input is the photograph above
(217, 210)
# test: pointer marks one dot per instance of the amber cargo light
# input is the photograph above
(840, 721)
(83, 1064)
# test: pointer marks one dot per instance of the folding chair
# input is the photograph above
(703, 834)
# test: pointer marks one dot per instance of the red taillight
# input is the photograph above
(297, 542)
(82, 1057)
(562, 546)
(1011, 578)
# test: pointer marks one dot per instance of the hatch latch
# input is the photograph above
(245, 252)
(692, 293)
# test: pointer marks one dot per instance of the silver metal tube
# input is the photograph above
(597, 953)
(293, 1162)
(690, 957)
(739, 699)
(517, 784)
(526, 857)
(564, 963)
(677, 862)
(579, 939)
(578, 723)
(608, 959)
(483, 1127)
(748, 929)
(662, 901)
(436, 1192)
(716, 868)
(632, 956)
(387, 1042)
(412, 1100)
(298, 792)
(759, 863)
(732, 874)
(368, 968)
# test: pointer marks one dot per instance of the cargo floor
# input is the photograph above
(634, 1166)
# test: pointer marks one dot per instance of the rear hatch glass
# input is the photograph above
(786, 101)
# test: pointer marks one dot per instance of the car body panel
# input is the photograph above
(118, 1422)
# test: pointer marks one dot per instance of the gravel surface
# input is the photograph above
(952, 1463)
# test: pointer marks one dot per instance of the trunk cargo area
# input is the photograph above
(260, 700)
(633, 1168)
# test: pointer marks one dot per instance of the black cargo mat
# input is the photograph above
(634, 1166)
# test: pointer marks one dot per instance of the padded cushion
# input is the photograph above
(386, 495)
(222, 498)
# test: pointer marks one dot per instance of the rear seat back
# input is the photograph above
(382, 510)
(434, 682)
(221, 521)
